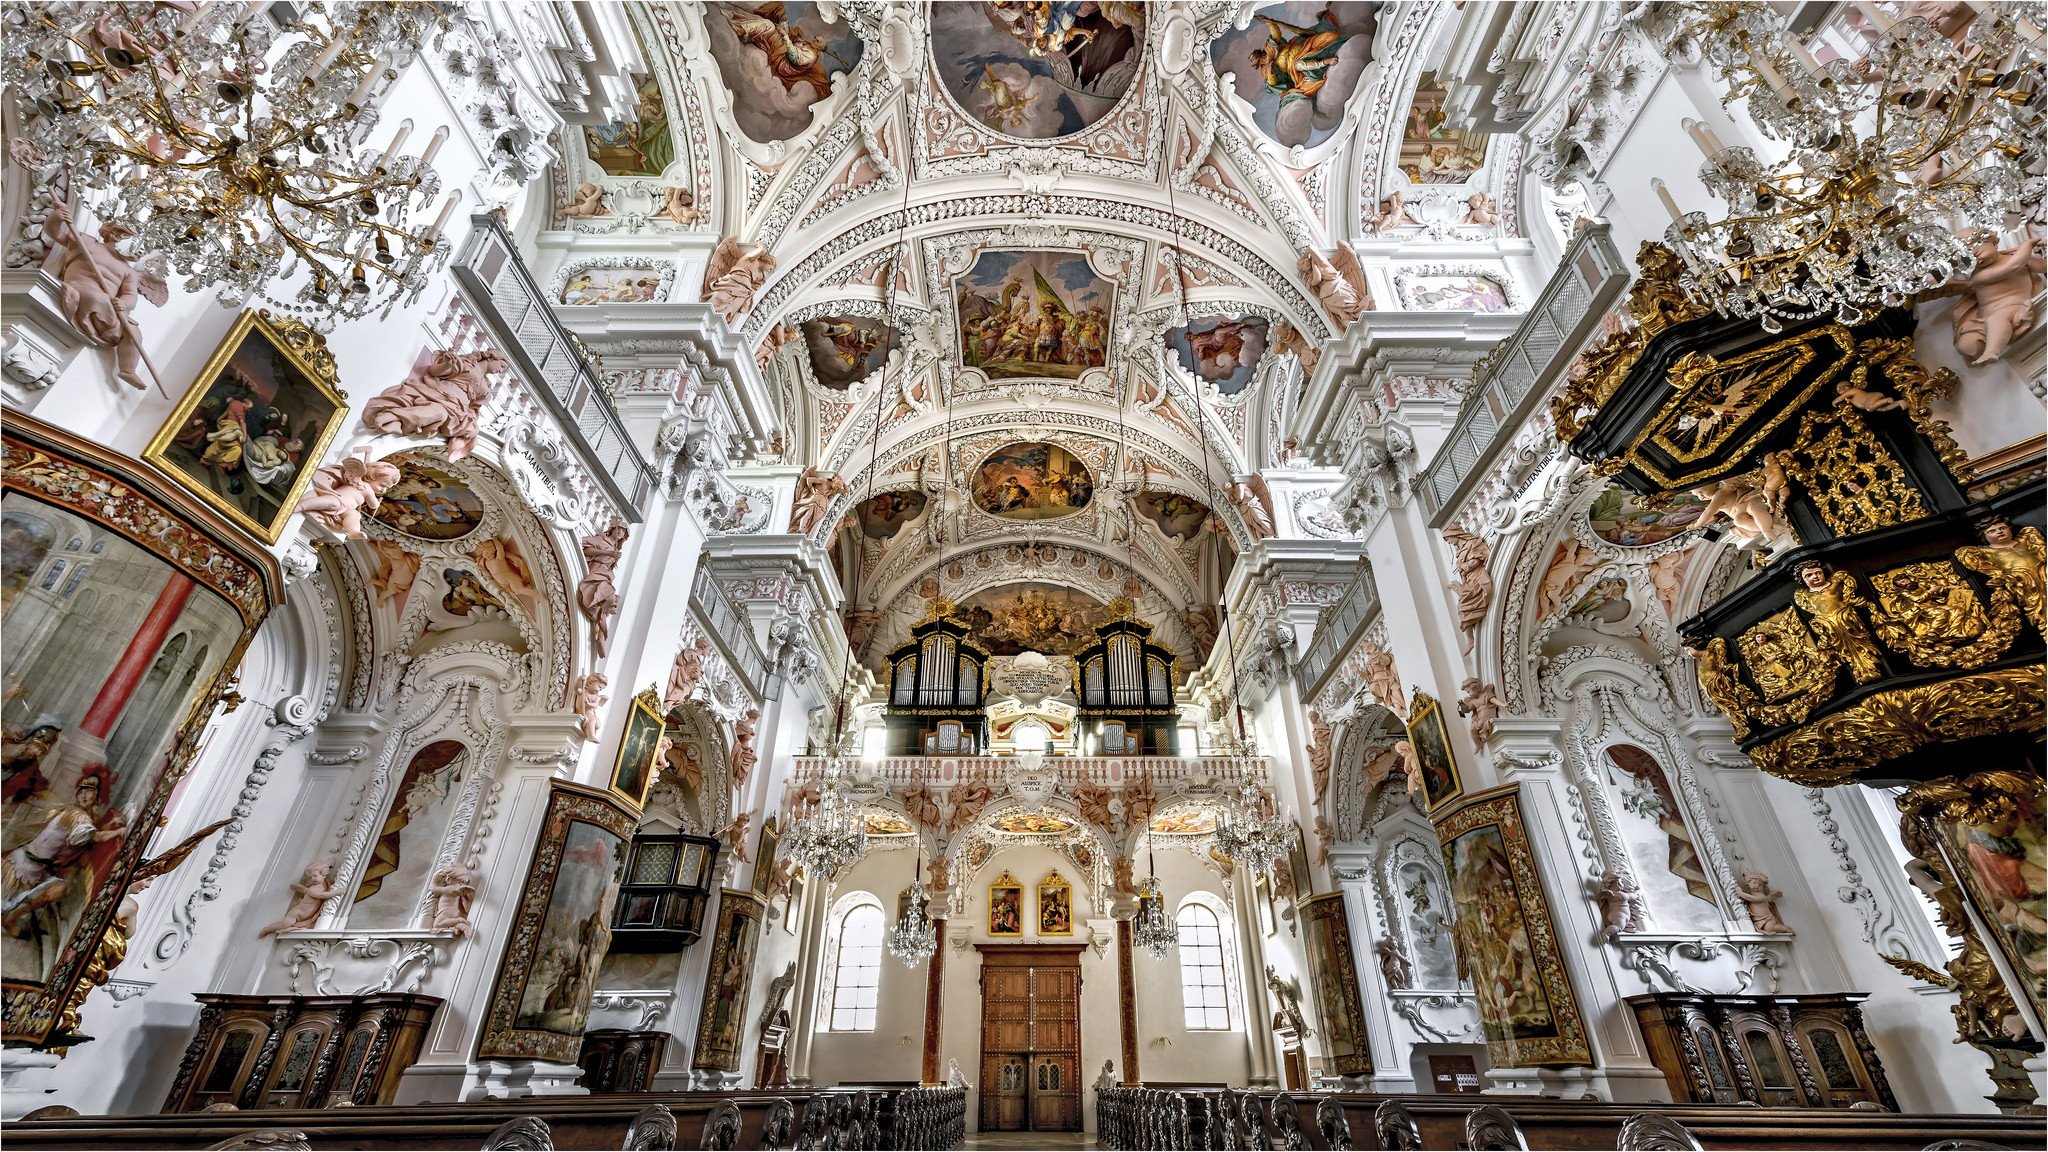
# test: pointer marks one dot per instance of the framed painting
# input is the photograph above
(1006, 907)
(1334, 973)
(1432, 744)
(793, 903)
(764, 858)
(249, 433)
(722, 1023)
(1503, 928)
(1055, 906)
(540, 1000)
(1985, 834)
(639, 748)
(126, 602)
(1297, 866)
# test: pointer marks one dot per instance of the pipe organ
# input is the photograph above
(935, 690)
(1125, 684)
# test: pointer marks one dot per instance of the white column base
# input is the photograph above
(25, 1075)
(499, 1080)
(1562, 1083)
(2037, 1071)
(555, 1080)
(1400, 1085)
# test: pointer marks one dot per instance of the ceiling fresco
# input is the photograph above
(641, 146)
(845, 350)
(1027, 314)
(1222, 350)
(1032, 482)
(1433, 152)
(778, 59)
(1038, 71)
(1032, 617)
(1176, 515)
(429, 504)
(881, 517)
(1298, 65)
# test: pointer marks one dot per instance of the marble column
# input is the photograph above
(1126, 1001)
(934, 1006)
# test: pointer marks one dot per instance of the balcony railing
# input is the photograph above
(728, 630)
(1525, 367)
(1337, 630)
(509, 300)
(1109, 771)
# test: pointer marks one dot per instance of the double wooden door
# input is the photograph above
(1030, 1037)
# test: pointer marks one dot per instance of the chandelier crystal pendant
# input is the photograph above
(913, 939)
(1151, 929)
(1249, 827)
(236, 149)
(1900, 157)
(832, 835)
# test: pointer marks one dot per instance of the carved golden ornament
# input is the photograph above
(1120, 608)
(939, 609)
(309, 346)
(1892, 360)
(1853, 481)
(1717, 680)
(1835, 613)
(1986, 1009)
(1713, 400)
(1655, 302)
(1835, 749)
(1930, 613)
(2018, 569)
(1791, 673)
(1979, 798)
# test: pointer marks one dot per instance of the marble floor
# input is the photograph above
(1029, 1141)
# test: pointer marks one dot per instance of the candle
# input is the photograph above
(362, 92)
(1804, 57)
(404, 130)
(326, 58)
(447, 207)
(1873, 17)
(193, 17)
(250, 11)
(434, 145)
(1670, 205)
(1699, 136)
(1713, 141)
(1774, 78)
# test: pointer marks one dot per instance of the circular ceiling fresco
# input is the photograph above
(1032, 481)
(1037, 71)
(429, 504)
(1298, 65)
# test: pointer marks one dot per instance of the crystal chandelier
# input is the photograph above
(1249, 827)
(913, 940)
(1921, 137)
(1151, 929)
(235, 148)
(832, 835)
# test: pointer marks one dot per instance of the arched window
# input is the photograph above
(857, 965)
(1206, 974)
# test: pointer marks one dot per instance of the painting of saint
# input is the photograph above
(1433, 152)
(410, 839)
(1178, 516)
(1298, 65)
(429, 504)
(884, 515)
(248, 435)
(1621, 517)
(1055, 906)
(1019, 618)
(644, 741)
(1506, 943)
(1037, 70)
(574, 931)
(1335, 979)
(613, 286)
(1006, 907)
(1035, 481)
(845, 350)
(86, 733)
(1432, 745)
(1429, 932)
(1458, 294)
(778, 59)
(724, 1015)
(1221, 350)
(1033, 314)
(2003, 864)
(637, 147)
(1668, 863)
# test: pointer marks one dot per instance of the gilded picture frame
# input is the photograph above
(126, 507)
(764, 858)
(1006, 907)
(540, 998)
(639, 747)
(1333, 973)
(1434, 760)
(1527, 1010)
(722, 1019)
(249, 433)
(1055, 905)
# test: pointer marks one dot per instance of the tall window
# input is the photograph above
(857, 973)
(1204, 969)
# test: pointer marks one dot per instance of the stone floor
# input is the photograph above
(1029, 1141)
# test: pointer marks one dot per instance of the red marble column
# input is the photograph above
(934, 1007)
(1127, 1002)
(134, 663)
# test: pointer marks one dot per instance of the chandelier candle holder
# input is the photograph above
(1151, 929)
(1899, 157)
(831, 836)
(1250, 828)
(913, 939)
(239, 151)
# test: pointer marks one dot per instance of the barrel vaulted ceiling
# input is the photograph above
(1044, 276)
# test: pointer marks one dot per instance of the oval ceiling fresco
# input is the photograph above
(1221, 350)
(883, 516)
(429, 504)
(777, 60)
(1298, 65)
(1037, 71)
(1032, 481)
(845, 350)
(1619, 516)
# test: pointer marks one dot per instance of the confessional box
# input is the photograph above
(300, 1051)
(1777, 1051)
(617, 1060)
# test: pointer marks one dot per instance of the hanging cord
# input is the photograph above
(891, 313)
(1180, 276)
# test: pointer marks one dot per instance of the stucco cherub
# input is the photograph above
(310, 891)
(1756, 892)
(453, 888)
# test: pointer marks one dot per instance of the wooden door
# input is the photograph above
(1031, 1037)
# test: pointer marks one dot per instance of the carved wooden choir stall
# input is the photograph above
(1777, 1051)
(300, 1051)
